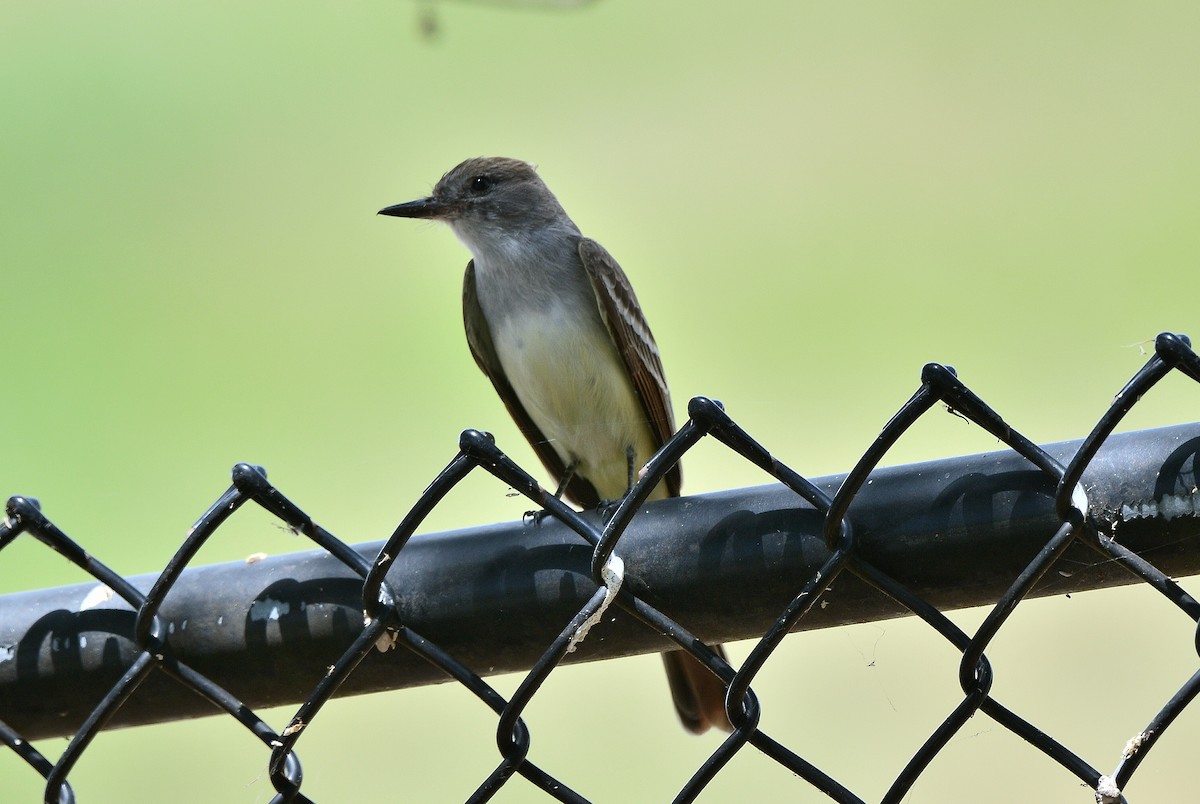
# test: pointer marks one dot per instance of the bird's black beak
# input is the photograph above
(421, 208)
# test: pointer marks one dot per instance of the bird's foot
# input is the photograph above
(607, 508)
(535, 517)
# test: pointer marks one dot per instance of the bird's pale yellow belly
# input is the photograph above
(576, 389)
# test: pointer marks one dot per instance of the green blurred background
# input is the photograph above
(812, 200)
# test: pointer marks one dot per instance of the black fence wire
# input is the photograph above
(920, 540)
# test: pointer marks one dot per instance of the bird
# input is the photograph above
(553, 322)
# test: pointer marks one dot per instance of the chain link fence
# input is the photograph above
(986, 530)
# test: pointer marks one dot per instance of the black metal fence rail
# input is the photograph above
(922, 539)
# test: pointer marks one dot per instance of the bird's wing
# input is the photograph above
(479, 338)
(630, 332)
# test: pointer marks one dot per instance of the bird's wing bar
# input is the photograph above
(630, 332)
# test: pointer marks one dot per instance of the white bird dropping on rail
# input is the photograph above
(613, 574)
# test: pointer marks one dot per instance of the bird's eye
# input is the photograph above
(481, 184)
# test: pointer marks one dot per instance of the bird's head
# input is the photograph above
(490, 203)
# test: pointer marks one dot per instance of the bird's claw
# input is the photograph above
(535, 517)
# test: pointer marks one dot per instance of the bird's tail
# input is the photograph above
(699, 696)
